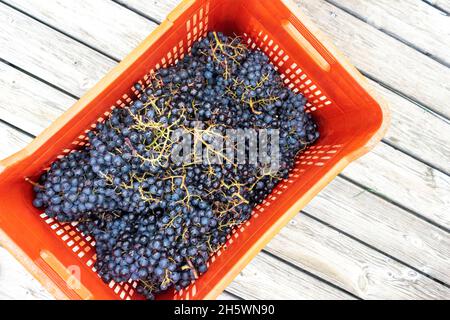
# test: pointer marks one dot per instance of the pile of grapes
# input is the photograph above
(157, 219)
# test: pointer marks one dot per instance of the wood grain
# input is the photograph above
(227, 296)
(404, 180)
(102, 24)
(442, 4)
(11, 140)
(27, 102)
(384, 226)
(42, 51)
(383, 57)
(416, 131)
(351, 265)
(411, 21)
(269, 278)
(16, 283)
(156, 9)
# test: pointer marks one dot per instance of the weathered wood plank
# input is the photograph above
(158, 9)
(227, 296)
(441, 4)
(383, 57)
(416, 131)
(384, 226)
(16, 283)
(269, 278)
(374, 52)
(11, 140)
(99, 23)
(412, 21)
(351, 265)
(404, 180)
(54, 57)
(27, 103)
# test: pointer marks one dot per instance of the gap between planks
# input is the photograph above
(440, 5)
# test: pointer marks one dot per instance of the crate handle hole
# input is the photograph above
(306, 45)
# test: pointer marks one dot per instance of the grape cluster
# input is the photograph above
(156, 219)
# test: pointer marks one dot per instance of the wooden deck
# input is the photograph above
(379, 231)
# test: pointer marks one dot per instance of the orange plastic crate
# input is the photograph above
(351, 121)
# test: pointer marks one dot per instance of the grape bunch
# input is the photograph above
(156, 218)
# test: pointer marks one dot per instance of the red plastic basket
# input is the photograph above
(350, 118)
